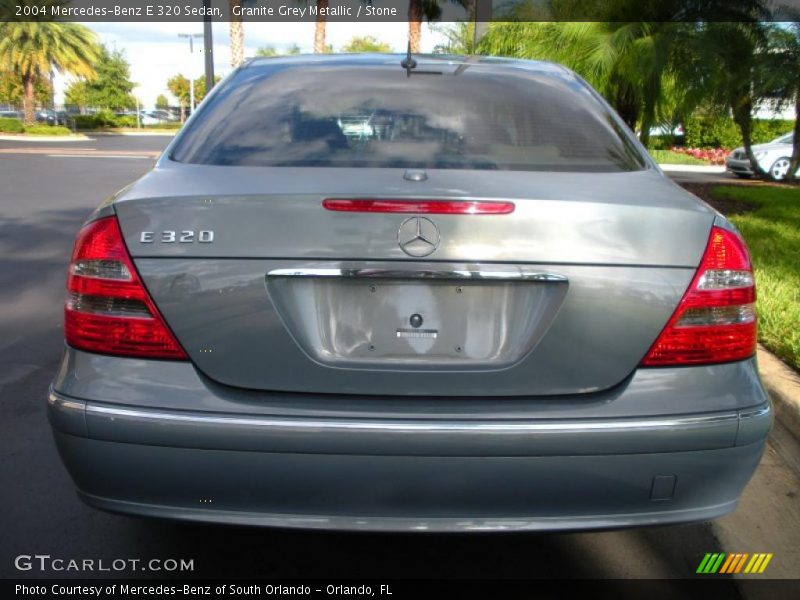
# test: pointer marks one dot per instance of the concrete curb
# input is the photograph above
(170, 133)
(668, 168)
(45, 138)
(783, 385)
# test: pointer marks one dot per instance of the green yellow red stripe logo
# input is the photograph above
(735, 562)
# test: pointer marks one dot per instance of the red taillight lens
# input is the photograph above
(716, 319)
(430, 207)
(108, 309)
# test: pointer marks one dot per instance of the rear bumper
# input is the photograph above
(408, 474)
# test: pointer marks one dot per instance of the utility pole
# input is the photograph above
(191, 37)
(208, 46)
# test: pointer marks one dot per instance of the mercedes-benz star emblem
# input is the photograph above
(418, 236)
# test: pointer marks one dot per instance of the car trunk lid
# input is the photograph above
(564, 295)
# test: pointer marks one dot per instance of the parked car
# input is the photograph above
(773, 157)
(491, 311)
(163, 115)
(147, 119)
(47, 116)
(10, 114)
(51, 117)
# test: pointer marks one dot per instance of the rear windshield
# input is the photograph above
(467, 117)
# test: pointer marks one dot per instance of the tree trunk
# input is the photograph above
(795, 163)
(472, 26)
(644, 134)
(472, 9)
(183, 112)
(415, 25)
(626, 107)
(742, 116)
(236, 31)
(319, 28)
(29, 116)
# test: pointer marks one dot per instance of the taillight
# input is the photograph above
(716, 320)
(428, 207)
(108, 309)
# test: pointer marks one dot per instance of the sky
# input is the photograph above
(156, 53)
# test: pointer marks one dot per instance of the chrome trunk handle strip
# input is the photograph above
(460, 274)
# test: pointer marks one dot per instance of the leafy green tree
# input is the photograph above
(459, 39)
(651, 71)
(729, 72)
(268, 51)
(367, 43)
(200, 87)
(782, 65)
(161, 101)
(272, 51)
(78, 94)
(178, 86)
(631, 64)
(32, 49)
(112, 87)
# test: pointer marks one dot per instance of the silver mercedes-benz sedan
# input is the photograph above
(452, 294)
(774, 158)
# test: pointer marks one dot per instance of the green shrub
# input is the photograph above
(10, 125)
(125, 121)
(661, 142)
(90, 122)
(707, 131)
(711, 131)
(167, 125)
(103, 119)
(108, 120)
(47, 130)
(766, 130)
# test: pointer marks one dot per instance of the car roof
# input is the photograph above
(423, 61)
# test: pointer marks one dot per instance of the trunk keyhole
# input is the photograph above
(415, 320)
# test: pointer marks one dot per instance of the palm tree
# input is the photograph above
(320, 28)
(733, 75)
(32, 49)
(430, 10)
(236, 33)
(631, 64)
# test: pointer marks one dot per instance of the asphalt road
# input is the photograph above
(46, 190)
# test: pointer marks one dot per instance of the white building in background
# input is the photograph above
(769, 111)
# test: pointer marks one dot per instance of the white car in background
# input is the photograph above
(773, 157)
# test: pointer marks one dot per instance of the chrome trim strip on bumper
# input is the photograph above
(419, 274)
(428, 437)
(761, 411)
(512, 428)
